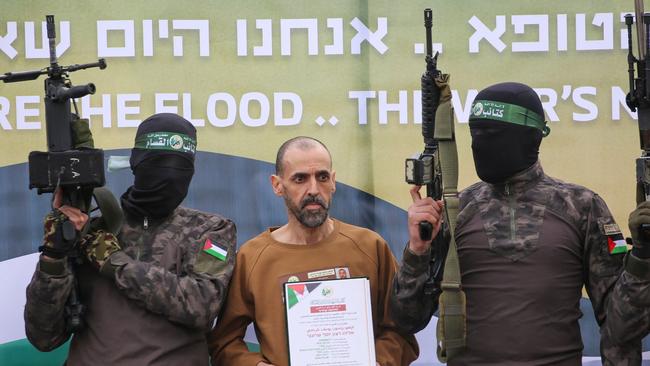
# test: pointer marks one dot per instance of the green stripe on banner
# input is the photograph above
(22, 353)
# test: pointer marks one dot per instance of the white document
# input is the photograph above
(329, 323)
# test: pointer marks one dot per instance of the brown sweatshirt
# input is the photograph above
(255, 294)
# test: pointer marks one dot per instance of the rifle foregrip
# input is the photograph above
(75, 91)
(430, 98)
(426, 230)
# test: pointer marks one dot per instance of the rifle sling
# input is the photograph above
(451, 330)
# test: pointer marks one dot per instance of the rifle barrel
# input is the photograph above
(640, 31)
(428, 24)
(630, 55)
(646, 60)
(12, 77)
(51, 36)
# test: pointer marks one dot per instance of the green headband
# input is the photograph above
(171, 141)
(511, 113)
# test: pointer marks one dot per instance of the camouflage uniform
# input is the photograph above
(629, 318)
(164, 294)
(525, 249)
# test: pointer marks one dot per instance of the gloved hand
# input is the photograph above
(640, 237)
(58, 239)
(98, 246)
(61, 228)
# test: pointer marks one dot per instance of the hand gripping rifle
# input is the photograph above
(437, 168)
(638, 99)
(71, 162)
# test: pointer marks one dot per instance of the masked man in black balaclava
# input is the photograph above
(152, 292)
(527, 244)
(507, 126)
(162, 162)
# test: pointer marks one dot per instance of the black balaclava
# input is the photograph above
(507, 126)
(162, 161)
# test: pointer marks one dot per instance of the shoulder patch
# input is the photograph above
(213, 258)
(616, 244)
(611, 229)
(215, 249)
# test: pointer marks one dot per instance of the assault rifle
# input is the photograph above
(425, 169)
(71, 163)
(638, 99)
(437, 168)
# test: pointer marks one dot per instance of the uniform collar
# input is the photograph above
(135, 219)
(521, 181)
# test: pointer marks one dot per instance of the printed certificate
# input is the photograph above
(329, 323)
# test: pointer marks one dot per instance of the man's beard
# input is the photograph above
(309, 218)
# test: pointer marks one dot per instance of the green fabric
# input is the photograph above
(253, 347)
(112, 216)
(81, 135)
(22, 353)
(505, 112)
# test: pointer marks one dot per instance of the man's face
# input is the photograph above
(306, 184)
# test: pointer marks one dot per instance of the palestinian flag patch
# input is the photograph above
(215, 250)
(616, 244)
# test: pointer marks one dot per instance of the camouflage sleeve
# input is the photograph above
(393, 347)
(47, 294)
(192, 298)
(628, 313)
(415, 292)
(604, 264)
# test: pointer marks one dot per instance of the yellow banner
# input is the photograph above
(252, 74)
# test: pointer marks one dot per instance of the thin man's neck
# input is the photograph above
(293, 232)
